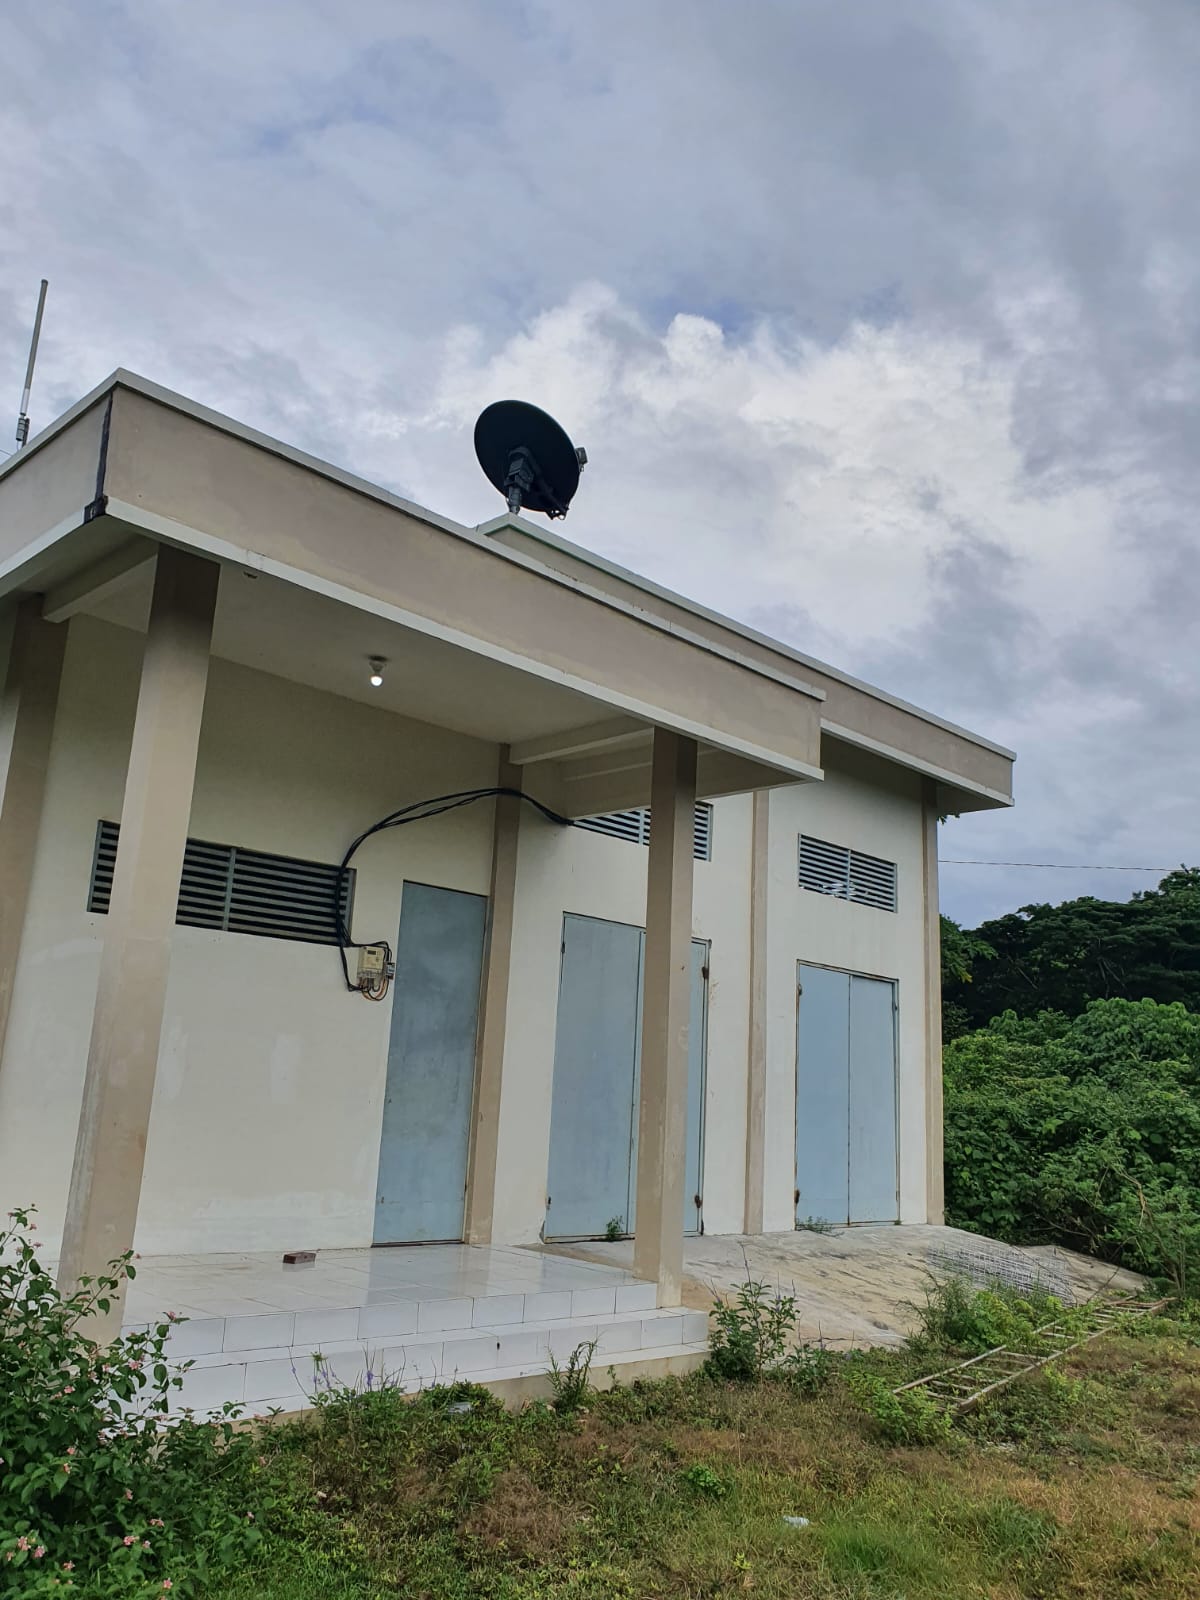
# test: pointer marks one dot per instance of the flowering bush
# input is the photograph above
(100, 1496)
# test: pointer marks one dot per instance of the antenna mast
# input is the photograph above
(23, 419)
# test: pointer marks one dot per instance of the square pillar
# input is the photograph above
(27, 708)
(666, 1004)
(118, 1091)
(493, 1010)
(935, 1180)
(756, 1063)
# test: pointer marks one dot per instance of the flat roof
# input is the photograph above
(788, 657)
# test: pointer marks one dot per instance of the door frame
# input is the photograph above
(698, 1232)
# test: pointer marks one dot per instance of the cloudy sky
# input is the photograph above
(879, 320)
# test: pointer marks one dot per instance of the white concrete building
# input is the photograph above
(190, 609)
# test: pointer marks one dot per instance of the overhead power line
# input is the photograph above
(1047, 866)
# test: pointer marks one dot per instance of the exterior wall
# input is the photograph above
(873, 807)
(268, 1103)
(597, 876)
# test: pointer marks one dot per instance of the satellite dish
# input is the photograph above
(527, 456)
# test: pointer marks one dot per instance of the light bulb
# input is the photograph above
(377, 664)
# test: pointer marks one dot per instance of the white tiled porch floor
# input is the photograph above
(419, 1314)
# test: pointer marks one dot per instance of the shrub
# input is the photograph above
(98, 1493)
(755, 1336)
(750, 1333)
(1082, 1131)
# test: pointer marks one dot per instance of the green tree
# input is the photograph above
(961, 949)
(1062, 957)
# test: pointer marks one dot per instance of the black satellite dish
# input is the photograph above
(528, 457)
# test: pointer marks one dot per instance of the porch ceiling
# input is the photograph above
(576, 756)
(273, 626)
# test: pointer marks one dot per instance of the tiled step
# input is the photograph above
(391, 1318)
(282, 1375)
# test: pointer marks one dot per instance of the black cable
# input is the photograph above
(1047, 866)
(418, 811)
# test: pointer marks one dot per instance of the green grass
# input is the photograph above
(1081, 1483)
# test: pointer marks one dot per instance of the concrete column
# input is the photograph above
(118, 1089)
(493, 1010)
(27, 707)
(935, 1183)
(756, 1066)
(666, 1001)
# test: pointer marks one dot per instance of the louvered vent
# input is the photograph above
(634, 826)
(848, 874)
(240, 891)
(631, 825)
(702, 834)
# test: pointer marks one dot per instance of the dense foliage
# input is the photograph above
(1081, 1130)
(1060, 958)
(97, 1499)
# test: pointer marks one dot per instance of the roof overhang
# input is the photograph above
(323, 570)
(972, 773)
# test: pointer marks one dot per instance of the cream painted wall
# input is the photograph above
(873, 807)
(268, 1105)
(577, 871)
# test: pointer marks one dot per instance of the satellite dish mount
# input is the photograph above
(528, 457)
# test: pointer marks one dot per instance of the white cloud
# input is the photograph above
(879, 322)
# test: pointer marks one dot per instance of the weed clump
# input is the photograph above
(956, 1316)
(907, 1416)
(571, 1384)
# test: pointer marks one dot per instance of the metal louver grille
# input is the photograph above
(631, 825)
(847, 874)
(702, 834)
(240, 891)
(872, 881)
(634, 826)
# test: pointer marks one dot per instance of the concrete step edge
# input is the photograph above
(685, 1355)
(446, 1336)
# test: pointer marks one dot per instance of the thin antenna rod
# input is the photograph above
(23, 419)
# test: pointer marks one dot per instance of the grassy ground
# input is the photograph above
(1080, 1483)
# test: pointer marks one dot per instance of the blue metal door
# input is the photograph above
(597, 1067)
(822, 1095)
(874, 1194)
(693, 1183)
(846, 1150)
(592, 1126)
(421, 1193)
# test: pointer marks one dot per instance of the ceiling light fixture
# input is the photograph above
(377, 664)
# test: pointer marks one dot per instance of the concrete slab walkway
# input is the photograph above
(855, 1285)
